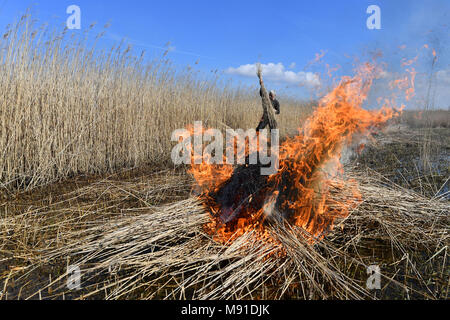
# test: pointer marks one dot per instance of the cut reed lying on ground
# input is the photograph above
(68, 108)
(164, 253)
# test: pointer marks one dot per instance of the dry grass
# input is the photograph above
(70, 110)
(159, 251)
(398, 155)
(426, 118)
(67, 107)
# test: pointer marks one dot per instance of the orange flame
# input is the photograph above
(309, 170)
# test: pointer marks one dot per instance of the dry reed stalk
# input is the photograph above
(165, 253)
(68, 107)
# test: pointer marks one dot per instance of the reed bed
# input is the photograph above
(70, 106)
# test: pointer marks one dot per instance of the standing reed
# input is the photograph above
(68, 106)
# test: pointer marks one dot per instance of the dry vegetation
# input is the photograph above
(426, 119)
(140, 236)
(99, 122)
(68, 108)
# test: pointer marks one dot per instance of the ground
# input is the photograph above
(36, 228)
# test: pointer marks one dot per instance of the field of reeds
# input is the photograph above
(68, 108)
(86, 181)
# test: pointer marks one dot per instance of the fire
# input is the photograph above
(406, 84)
(240, 200)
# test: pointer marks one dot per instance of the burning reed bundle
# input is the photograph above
(300, 190)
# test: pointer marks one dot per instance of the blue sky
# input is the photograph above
(228, 35)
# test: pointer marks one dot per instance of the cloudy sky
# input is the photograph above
(297, 42)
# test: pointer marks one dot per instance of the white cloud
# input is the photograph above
(443, 76)
(384, 75)
(292, 65)
(277, 72)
